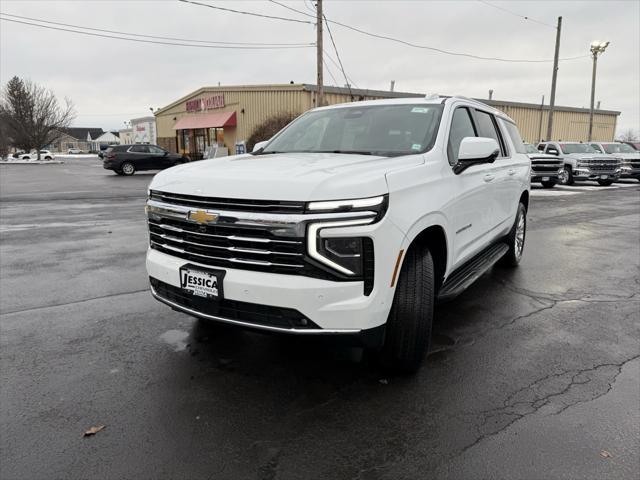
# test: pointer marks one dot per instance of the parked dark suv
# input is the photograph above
(127, 159)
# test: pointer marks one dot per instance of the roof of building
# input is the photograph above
(80, 133)
(360, 92)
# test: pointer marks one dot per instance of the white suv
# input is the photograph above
(351, 221)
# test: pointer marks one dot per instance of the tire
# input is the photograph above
(516, 239)
(48, 158)
(605, 183)
(549, 184)
(408, 328)
(127, 168)
(567, 178)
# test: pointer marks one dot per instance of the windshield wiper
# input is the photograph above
(352, 152)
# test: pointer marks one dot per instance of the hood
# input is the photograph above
(587, 156)
(628, 155)
(287, 176)
(533, 156)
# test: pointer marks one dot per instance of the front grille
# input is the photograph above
(602, 165)
(229, 244)
(546, 165)
(251, 313)
(214, 203)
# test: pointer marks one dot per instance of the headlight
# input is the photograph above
(377, 204)
(343, 254)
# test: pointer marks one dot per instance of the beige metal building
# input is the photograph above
(229, 114)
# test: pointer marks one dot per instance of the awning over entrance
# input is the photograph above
(207, 120)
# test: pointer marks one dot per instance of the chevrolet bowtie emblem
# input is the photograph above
(202, 216)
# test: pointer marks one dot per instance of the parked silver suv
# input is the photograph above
(583, 162)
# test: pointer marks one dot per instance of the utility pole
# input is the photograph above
(554, 77)
(597, 48)
(320, 95)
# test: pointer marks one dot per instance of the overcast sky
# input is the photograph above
(112, 80)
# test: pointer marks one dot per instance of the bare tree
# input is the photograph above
(32, 115)
(629, 135)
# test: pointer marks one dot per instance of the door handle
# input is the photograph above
(488, 177)
(511, 171)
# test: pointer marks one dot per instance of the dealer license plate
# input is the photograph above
(604, 177)
(545, 179)
(202, 283)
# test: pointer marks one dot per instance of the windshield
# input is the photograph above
(385, 130)
(530, 148)
(576, 148)
(618, 148)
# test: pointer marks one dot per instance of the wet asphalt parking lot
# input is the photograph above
(534, 373)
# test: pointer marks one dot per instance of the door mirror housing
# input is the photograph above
(259, 146)
(475, 151)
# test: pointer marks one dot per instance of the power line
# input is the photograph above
(154, 36)
(294, 9)
(243, 12)
(517, 14)
(337, 55)
(338, 67)
(228, 47)
(426, 47)
(335, 82)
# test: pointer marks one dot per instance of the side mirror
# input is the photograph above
(259, 145)
(475, 151)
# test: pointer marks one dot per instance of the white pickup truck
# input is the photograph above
(353, 220)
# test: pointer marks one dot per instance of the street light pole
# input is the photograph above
(597, 48)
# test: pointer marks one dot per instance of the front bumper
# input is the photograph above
(581, 173)
(336, 307)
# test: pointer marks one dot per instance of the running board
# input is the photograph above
(464, 276)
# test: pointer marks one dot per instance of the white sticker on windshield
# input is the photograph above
(419, 110)
(416, 146)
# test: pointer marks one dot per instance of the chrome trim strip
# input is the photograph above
(233, 259)
(294, 331)
(228, 237)
(229, 249)
(276, 220)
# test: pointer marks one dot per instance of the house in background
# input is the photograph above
(76, 138)
(105, 139)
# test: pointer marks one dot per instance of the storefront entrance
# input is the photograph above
(196, 133)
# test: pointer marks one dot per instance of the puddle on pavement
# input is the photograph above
(177, 339)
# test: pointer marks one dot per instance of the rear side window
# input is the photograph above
(461, 127)
(487, 128)
(516, 139)
(140, 149)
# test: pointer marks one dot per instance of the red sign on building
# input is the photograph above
(208, 103)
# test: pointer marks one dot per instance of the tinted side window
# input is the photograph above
(461, 127)
(140, 149)
(487, 128)
(514, 134)
(154, 149)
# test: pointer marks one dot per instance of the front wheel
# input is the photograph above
(605, 183)
(515, 239)
(127, 168)
(566, 177)
(548, 184)
(408, 328)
